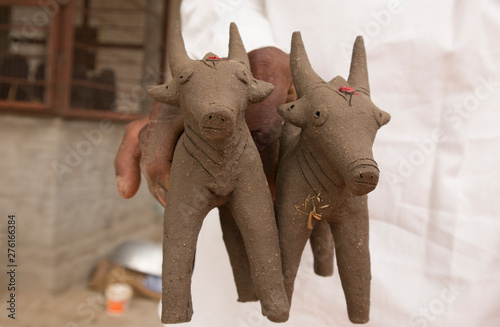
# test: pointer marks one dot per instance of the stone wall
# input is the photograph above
(57, 177)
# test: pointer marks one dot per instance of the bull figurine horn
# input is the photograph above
(176, 50)
(302, 73)
(358, 75)
(236, 48)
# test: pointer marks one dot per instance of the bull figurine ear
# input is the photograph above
(259, 90)
(165, 93)
(381, 116)
(294, 112)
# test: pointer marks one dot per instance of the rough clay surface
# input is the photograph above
(216, 164)
(326, 169)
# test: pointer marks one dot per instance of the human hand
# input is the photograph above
(271, 65)
(148, 147)
(127, 170)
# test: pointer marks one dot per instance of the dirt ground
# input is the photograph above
(78, 307)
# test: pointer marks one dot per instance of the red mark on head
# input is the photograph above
(347, 89)
(214, 58)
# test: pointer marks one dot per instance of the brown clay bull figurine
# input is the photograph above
(216, 164)
(165, 126)
(326, 169)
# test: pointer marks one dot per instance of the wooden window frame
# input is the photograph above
(52, 41)
(60, 42)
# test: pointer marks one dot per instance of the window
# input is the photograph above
(27, 53)
(86, 58)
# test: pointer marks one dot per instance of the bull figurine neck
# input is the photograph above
(216, 164)
(326, 169)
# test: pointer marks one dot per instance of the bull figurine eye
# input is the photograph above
(320, 115)
(242, 75)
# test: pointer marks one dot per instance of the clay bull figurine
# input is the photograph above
(326, 169)
(166, 125)
(216, 164)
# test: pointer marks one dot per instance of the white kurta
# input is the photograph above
(435, 215)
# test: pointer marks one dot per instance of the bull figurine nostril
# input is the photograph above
(217, 118)
(218, 123)
(364, 179)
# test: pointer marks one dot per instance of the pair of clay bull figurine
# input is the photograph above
(326, 169)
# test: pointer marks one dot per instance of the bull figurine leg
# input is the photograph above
(322, 246)
(294, 233)
(185, 210)
(350, 232)
(255, 219)
(237, 256)
(181, 229)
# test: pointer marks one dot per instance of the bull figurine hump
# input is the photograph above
(216, 164)
(326, 169)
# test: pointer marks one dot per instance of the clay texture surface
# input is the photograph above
(326, 169)
(216, 164)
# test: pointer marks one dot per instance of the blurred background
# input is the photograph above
(73, 73)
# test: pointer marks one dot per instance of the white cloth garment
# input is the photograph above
(435, 215)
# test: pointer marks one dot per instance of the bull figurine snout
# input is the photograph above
(364, 177)
(217, 123)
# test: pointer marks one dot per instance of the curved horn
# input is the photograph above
(358, 75)
(302, 73)
(177, 55)
(236, 48)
